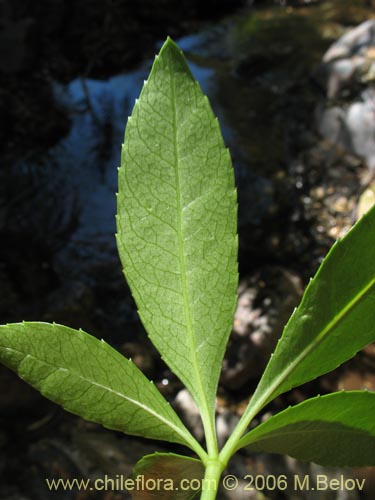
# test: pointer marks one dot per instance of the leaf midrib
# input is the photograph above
(281, 433)
(318, 340)
(181, 250)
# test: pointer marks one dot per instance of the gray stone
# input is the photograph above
(349, 59)
(349, 66)
(352, 126)
(189, 413)
(360, 122)
(353, 42)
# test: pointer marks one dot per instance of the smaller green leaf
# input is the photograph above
(336, 317)
(335, 430)
(89, 378)
(166, 476)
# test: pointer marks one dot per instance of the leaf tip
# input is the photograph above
(170, 46)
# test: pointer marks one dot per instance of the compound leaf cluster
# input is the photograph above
(177, 240)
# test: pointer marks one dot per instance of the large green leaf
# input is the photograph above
(89, 378)
(166, 476)
(336, 430)
(335, 319)
(177, 224)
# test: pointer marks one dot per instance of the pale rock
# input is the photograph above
(189, 413)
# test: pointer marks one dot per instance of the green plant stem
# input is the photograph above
(211, 479)
(231, 445)
(207, 414)
(195, 446)
(254, 407)
(210, 434)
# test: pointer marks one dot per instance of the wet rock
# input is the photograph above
(352, 126)
(350, 57)
(349, 68)
(265, 303)
(360, 123)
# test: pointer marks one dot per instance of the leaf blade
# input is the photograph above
(70, 367)
(333, 430)
(171, 467)
(177, 225)
(338, 301)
